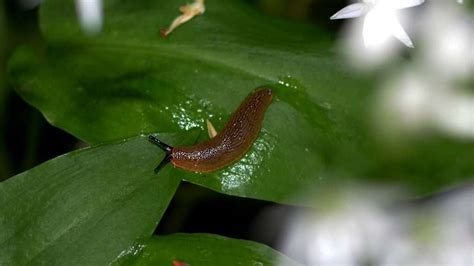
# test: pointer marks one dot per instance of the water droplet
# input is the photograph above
(290, 82)
(241, 173)
(326, 105)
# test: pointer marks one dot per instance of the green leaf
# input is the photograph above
(85, 207)
(128, 80)
(202, 249)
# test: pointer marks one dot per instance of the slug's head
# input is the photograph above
(263, 95)
(259, 100)
(165, 147)
(264, 92)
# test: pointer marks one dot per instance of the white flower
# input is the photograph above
(432, 93)
(355, 226)
(380, 20)
(90, 13)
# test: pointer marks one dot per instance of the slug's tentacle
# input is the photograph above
(165, 147)
(163, 162)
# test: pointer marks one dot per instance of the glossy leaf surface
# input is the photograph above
(202, 249)
(128, 80)
(85, 207)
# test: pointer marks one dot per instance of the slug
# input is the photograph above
(228, 146)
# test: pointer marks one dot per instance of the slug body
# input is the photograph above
(229, 145)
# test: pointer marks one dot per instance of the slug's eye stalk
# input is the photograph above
(163, 162)
(165, 147)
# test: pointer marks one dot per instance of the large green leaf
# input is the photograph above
(85, 207)
(128, 80)
(202, 249)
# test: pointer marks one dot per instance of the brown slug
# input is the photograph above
(229, 145)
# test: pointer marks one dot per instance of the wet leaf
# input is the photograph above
(128, 80)
(85, 207)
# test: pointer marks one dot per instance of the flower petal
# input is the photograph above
(399, 4)
(376, 29)
(350, 11)
(400, 34)
(90, 13)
